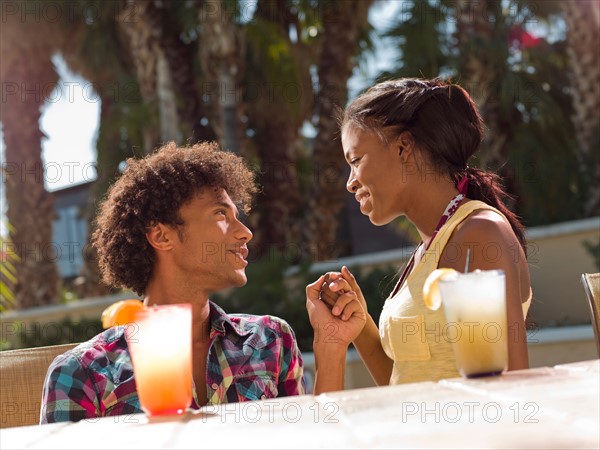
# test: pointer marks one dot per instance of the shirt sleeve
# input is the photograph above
(291, 375)
(68, 393)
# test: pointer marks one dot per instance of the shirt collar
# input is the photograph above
(219, 319)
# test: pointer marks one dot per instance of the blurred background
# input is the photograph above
(87, 84)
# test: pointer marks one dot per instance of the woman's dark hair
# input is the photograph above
(152, 190)
(444, 121)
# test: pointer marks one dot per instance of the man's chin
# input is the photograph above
(240, 279)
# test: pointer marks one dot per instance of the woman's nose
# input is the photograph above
(352, 184)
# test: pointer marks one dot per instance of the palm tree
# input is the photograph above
(222, 43)
(481, 63)
(583, 35)
(100, 54)
(176, 25)
(147, 56)
(278, 100)
(343, 24)
(26, 48)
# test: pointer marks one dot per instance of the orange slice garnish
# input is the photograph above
(121, 312)
(431, 289)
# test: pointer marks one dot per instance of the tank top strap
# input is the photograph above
(439, 243)
(431, 257)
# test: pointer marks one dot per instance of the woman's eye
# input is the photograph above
(354, 161)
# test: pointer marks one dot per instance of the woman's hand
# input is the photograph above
(335, 286)
(338, 326)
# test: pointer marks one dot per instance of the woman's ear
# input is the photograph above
(159, 236)
(405, 144)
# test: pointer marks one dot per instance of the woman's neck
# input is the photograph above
(427, 211)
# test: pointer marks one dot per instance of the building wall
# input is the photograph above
(556, 261)
(70, 228)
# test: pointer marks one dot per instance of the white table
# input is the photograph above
(537, 408)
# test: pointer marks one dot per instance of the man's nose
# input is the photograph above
(245, 234)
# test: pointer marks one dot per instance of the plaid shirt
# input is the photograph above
(249, 358)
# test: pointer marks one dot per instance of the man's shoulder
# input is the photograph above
(102, 349)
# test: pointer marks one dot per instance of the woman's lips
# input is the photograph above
(362, 199)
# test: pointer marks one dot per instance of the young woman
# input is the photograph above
(407, 143)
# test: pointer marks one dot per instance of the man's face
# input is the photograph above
(212, 251)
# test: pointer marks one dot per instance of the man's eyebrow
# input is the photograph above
(219, 204)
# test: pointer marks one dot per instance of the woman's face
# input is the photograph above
(376, 174)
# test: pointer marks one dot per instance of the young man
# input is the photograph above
(169, 230)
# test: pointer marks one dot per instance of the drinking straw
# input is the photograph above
(468, 259)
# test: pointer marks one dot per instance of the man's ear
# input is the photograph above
(160, 236)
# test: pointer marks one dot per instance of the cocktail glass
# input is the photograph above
(475, 309)
(160, 344)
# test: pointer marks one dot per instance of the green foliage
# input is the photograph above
(423, 42)
(593, 248)
(8, 273)
(530, 93)
(270, 292)
(276, 74)
(66, 331)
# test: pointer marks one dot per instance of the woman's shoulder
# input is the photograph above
(485, 226)
(489, 237)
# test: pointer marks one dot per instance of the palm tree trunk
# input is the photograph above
(30, 206)
(280, 196)
(180, 58)
(342, 22)
(221, 55)
(109, 155)
(277, 118)
(583, 21)
(167, 104)
(144, 50)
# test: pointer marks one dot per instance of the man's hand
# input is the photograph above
(328, 296)
(339, 328)
(335, 285)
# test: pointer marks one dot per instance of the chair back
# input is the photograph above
(22, 374)
(591, 285)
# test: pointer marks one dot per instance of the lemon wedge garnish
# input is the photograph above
(121, 312)
(431, 288)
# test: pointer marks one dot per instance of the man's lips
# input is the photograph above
(240, 252)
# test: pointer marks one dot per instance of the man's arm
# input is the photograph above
(68, 393)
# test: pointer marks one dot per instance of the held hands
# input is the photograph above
(335, 286)
(336, 308)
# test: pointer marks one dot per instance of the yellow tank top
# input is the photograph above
(413, 336)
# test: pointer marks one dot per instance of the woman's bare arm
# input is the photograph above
(494, 246)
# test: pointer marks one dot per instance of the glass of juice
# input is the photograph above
(475, 309)
(160, 344)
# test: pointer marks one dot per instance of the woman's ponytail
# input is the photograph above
(487, 187)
